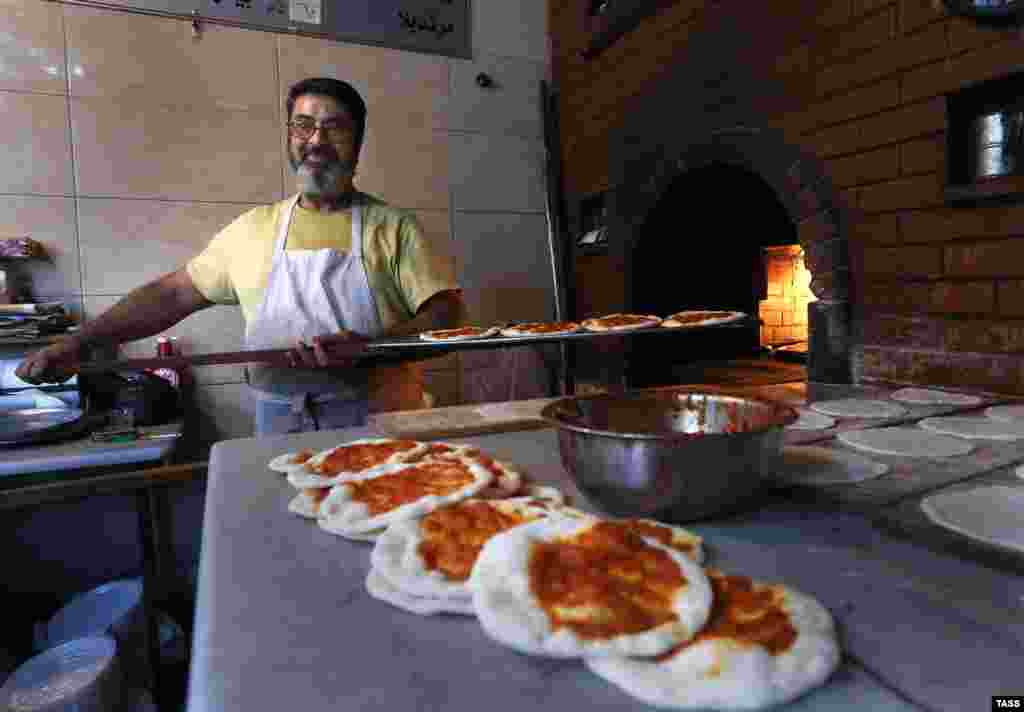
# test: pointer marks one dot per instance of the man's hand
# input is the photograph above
(54, 364)
(143, 312)
(326, 351)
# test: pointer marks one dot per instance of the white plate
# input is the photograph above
(992, 514)
(114, 608)
(81, 675)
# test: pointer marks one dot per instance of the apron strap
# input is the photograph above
(286, 221)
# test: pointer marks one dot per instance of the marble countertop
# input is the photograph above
(283, 620)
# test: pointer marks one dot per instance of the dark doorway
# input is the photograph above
(702, 247)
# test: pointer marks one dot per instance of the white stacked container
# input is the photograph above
(114, 609)
(83, 675)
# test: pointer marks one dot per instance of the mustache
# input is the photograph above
(321, 152)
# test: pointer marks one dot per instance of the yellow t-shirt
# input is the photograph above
(403, 268)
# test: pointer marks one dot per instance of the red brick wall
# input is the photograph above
(939, 290)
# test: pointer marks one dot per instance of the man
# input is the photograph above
(327, 266)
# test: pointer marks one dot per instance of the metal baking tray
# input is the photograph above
(413, 345)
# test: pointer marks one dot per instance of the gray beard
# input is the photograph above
(328, 181)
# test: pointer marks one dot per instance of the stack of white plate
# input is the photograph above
(81, 675)
(114, 609)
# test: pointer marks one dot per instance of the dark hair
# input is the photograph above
(343, 92)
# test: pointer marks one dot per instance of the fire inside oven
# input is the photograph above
(718, 238)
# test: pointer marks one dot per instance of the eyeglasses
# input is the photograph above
(334, 130)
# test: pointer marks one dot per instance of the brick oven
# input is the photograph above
(839, 113)
(693, 217)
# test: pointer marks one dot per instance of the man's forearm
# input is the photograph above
(146, 311)
(442, 311)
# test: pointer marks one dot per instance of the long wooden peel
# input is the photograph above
(278, 357)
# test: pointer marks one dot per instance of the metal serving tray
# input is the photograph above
(417, 346)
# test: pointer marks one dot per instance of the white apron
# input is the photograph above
(311, 293)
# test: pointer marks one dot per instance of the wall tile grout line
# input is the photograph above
(452, 237)
(280, 110)
(74, 161)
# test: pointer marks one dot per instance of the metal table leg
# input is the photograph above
(150, 532)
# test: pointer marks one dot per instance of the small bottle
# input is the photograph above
(164, 347)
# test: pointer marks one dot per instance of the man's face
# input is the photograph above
(325, 161)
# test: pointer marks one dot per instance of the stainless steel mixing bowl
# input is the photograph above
(672, 454)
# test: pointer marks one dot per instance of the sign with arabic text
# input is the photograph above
(434, 26)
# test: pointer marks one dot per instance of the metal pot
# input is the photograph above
(997, 144)
(669, 454)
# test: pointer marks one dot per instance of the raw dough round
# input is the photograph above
(928, 396)
(905, 442)
(974, 427)
(826, 466)
(809, 420)
(858, 408)
(1006, 413)
(991, 514)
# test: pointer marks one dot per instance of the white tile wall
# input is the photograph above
(176, 152)
(406, 167)
(126, 243)
(511, 29)
(34, 144)
(223, 67)
(32, 47)
(512, 105)
(505, 269)
(477, 183)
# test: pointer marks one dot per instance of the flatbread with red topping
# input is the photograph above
(561, 587)
(462, 333)
(762, 646)
(701, 317)
(352, 459)
(401, 491)
(620, 322)
(434, 555)
(540, 328)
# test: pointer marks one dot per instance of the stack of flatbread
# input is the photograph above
(457, 531)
